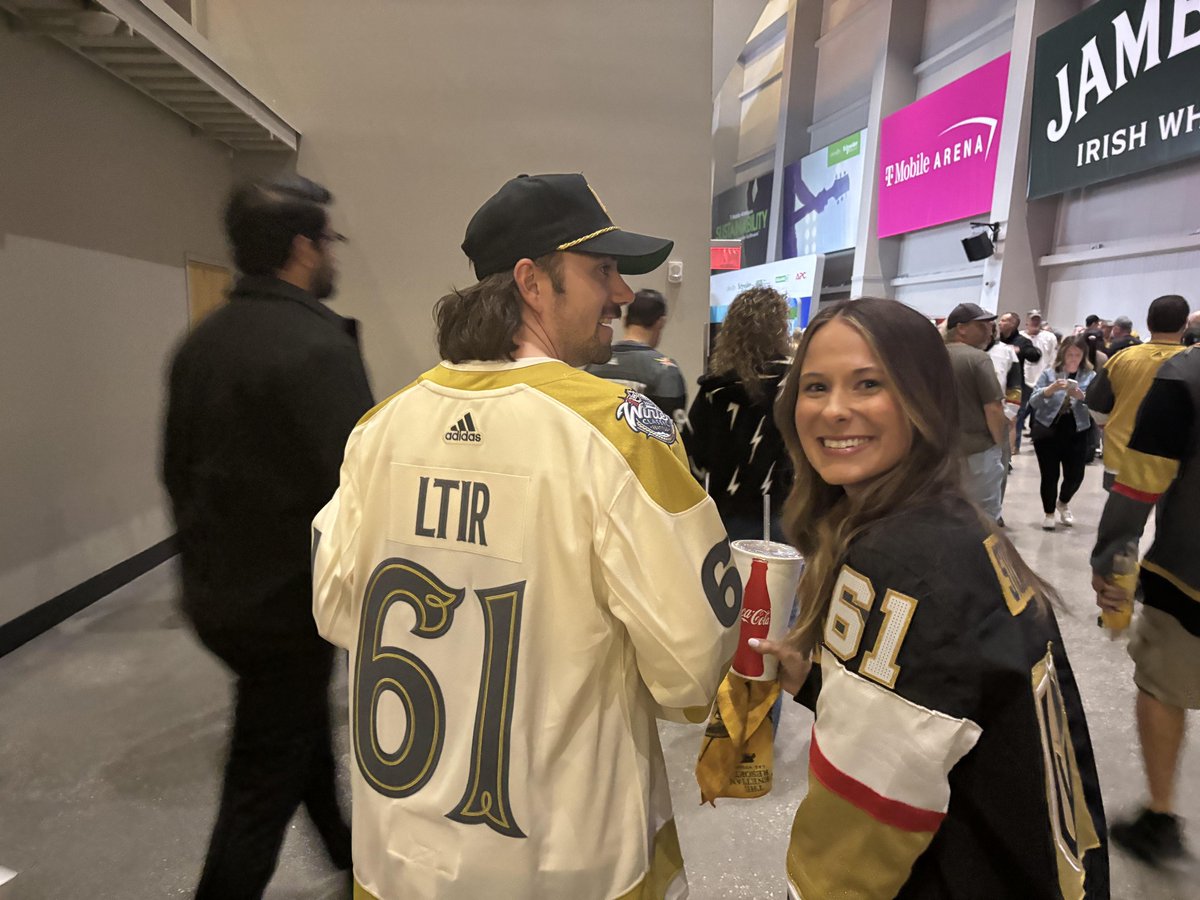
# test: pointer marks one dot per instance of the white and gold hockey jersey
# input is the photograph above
(526, 575)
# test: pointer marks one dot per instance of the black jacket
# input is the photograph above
(1095, 343)
(1026, 351)
(1119, 344)
(261, 398)
(732, 438)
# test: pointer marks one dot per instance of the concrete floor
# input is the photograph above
(112, 729)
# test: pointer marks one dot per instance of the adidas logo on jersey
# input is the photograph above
(464, 430)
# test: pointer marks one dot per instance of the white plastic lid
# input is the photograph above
(767, 549)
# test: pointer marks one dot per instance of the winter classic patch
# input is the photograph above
(641, 415)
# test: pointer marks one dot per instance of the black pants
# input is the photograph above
(1093, 444)
(1063, 449)
(1022, 413)
(280, 756)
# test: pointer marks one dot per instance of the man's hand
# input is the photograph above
(997, 422)
(794, 666)
(1110, 597)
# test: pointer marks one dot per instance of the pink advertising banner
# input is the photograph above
(937, 157)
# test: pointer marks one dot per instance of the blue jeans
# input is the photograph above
(983, 474)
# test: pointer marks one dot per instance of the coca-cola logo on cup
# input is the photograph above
(757, 617)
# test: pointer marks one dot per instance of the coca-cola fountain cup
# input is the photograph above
(770, 574)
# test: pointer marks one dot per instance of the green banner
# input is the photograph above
(845, 149)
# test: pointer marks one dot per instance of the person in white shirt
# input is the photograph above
(1010, 374)
(1047, 343)
(526, 575)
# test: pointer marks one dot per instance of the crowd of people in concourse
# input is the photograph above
(526, 553)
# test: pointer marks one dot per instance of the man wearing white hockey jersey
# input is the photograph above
(526, 576)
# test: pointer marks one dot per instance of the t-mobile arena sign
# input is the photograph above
(937, 157)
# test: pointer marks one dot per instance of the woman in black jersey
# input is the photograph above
(950, 756)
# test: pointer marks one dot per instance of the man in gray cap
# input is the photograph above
(982, 425)
(1122, 336)
(526, 575)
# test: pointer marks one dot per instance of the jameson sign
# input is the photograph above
(744, 213)
(1116, 90)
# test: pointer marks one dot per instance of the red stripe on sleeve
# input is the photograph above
(1134, 494)
(882, 809)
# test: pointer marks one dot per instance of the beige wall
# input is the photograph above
(102, 195)
(413, 113)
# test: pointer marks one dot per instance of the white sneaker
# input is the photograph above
(1064, 514)
(1048, 523)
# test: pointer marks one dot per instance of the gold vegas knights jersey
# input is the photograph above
(525, 574)
(950, 756)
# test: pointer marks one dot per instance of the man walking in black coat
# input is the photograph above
(1009, 331)
(262, 397)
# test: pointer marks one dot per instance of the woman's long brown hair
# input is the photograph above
(821, 519)
(1079, 342)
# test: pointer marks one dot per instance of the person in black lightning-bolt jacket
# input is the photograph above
(732, 442)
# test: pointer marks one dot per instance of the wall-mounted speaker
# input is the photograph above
(978, 246)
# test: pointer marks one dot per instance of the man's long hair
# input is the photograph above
(481, 321)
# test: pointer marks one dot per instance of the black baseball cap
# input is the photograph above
(968, 312)
(533, 215)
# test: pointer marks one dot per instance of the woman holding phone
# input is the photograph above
(950, 757)
(1061, 427)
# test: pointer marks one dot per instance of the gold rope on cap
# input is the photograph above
(586, 237)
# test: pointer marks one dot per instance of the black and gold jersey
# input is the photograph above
(648, 372)
(950, 756)
(525, 575)
(1161, 467)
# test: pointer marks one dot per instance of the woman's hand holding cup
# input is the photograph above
(794, 666)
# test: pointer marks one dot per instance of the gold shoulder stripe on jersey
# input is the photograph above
(477, 380)
(661, 469)
(495, 379)
(370, 413)
(669, 483)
